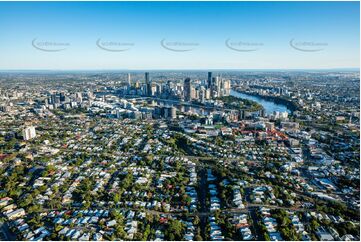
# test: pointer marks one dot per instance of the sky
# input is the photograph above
(179, 35)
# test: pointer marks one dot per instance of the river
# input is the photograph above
(269, 106)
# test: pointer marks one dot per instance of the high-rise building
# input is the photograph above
(158, 89)
(209, 80)
(214, 87)
(187, 89)
(53, 98)
(29, 133)
(137, 85)
(153, 89)
(202, 94)
(5, 108)
(218, 86)
(147, 77)
(226, 87)
(129, 81)
(193, 93)
(62, 97)
(173, 113)
(148, 84)
(169, 112)
(79, 97)
(90, 95)
(262, 112)
(208, 93)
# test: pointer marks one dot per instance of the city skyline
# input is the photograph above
(159, 35)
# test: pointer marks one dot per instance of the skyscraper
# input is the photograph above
(147, 77)
(53, 98)
(129, 81)
(214, 87)
(79, 97)
(209, 81)
(187, 89)
(148, 84)
(226, 87)
(202, 94)
(62, 97)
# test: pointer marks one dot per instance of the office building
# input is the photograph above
(148, 85)
(79, 97)
(187, 89)
(209, 80)
(129, 81)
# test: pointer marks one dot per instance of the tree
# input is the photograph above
(314, 224)
(285, 221)
(119, 231)
(196, 220)
(25, 202)
(146, 233)
(171, 237)
(116, 197)
(117, 216)
(198, 237)
(266, 236)
(174, 230)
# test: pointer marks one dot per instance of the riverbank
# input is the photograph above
(232, 102)
(270, 103)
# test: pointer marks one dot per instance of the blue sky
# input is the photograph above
(330, 29)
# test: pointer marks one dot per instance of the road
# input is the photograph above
(203, 202)
(255, 226)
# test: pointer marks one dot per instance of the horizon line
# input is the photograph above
(190, 69)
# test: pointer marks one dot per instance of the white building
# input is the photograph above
(29, 133)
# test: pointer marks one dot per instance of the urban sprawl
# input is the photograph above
(180, 155)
